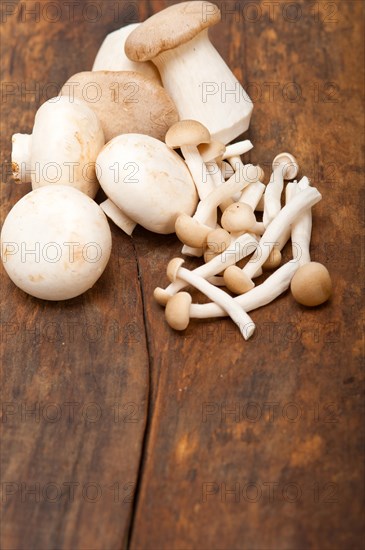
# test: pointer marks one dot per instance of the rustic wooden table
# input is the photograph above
(117, 431)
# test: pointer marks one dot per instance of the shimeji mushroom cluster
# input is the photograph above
(152, 123)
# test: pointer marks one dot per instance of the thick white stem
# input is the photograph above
(301, 202)
(272, 201)
(204, 88)
(259, 296)
(221, 193)
(222, 299)
(252, 194)
(20, 158)
(118, 217)
(235, 150)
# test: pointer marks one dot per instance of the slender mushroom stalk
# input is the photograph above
(238, 249)
(255, 298)
(311, 285)
(252, 194)
(193, 231)
(301, 230)
(21, 158)
(211, 154)
(193, 73)
(233, 154)
(285, 167)
(221, 298)
(111, 55)
(239, 281)
(118, 217)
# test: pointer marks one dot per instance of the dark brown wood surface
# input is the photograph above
(223, 444)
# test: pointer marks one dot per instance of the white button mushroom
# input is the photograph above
(55, 243)
(200, 83)
(147, 181)
(63, 147)
(285, 167)
(111, 55)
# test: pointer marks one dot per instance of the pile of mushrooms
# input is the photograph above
(151, 125)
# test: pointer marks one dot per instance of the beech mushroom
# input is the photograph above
(125, 102)
(239, 218)
(311, 284)
(255, 298)
(111, 55)
(55, 243)
(301, 229)
(200, 83)
(62, 148)
(147, 181)
(240, 280)
(237, 314)
(285, 167)
(238, 249)
(193, 231)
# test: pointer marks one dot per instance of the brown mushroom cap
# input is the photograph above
(169, 28)
(124, 102)
(187, 132)
(238, 217)
(161, 296)
(191, 232)
(211, 151)
(218, 240)
(273, 261)
(311, 284)
(236, 280)
(177, 311)
(173, 267)
(291, 165)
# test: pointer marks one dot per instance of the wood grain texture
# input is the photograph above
(249, 445)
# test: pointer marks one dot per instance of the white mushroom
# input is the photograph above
(284, 167)
(301, 230)
(221, 298)
(200, 83)
(239, 281)
(147, 181)
(55, 243)
(111, 55)
(64, 144)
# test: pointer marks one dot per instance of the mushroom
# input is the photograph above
(239, 218)
(174, 314)
(200, 83)
(193, 231)
(234, 151)
(252, 194)
(238, 249)
(285, 167)
(124, 102)
(301, 229)
(55, 243)
(255, 298)
(147, 181)
(240, 280)
(111, 55)
(62, 148)
(311, 284)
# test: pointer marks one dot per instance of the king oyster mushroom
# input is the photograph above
(124, 101)
(55, 243)
(111, 55)
(62, 149)
(148, 182)
(176, 40)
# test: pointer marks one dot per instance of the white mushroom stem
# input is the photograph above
(301, 202)
(252, 194)
(272, 197)
(118, 217)
(238, 249)
(21, 157)
(301, 230)
(222, 299)
(196, 78)
(235, 150)
(258, 297)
